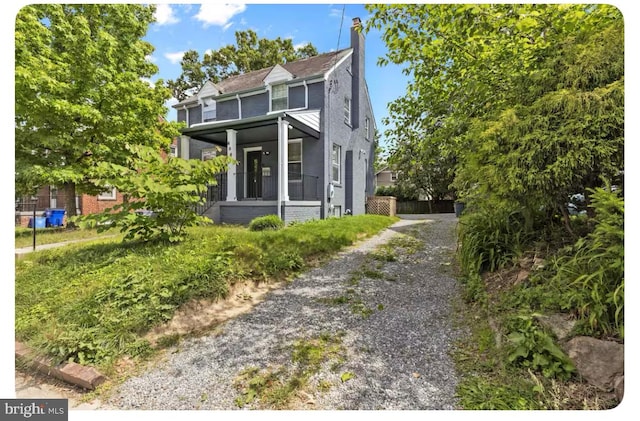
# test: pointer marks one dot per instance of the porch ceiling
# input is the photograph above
(252, 129)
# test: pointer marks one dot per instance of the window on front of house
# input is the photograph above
(108, 194)
(279, 97)
(347, 110)
(335, 163)
(295, 160)
(173, 150)
(208, 153)
(209, 111)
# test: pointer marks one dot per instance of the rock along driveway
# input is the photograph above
(391, 309)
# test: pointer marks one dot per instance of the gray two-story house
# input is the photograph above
(302, 134)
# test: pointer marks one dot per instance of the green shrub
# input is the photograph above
(592, 270)
(490, 237)
(266, 222)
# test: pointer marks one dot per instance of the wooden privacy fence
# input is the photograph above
(382, 205)
(422, 206)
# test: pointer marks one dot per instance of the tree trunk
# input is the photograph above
(70, 203)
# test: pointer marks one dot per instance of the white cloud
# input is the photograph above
(208, 51)
(218, 14)
(174, 57)
(300, 45)
(224, 28)
(149, 81)
(150, 58)
(171, 101)
(164, 15)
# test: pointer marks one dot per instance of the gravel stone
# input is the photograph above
(399, 354)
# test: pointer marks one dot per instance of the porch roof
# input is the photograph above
(304, 123)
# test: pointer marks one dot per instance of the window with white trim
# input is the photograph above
(208, 110)
(109, 194)
(279, 97)
(173, 150)
(367, 128)
(394, 176)
(208, 153)
(347, 110)
(294, 155)
(336, 155)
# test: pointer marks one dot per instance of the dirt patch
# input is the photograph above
(203, 314)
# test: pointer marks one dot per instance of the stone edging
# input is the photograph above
(76, 374)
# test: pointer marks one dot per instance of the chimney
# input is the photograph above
(357, 71)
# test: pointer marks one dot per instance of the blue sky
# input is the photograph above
(181, 27)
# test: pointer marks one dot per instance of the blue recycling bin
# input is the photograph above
(40, 222)
(55, 217)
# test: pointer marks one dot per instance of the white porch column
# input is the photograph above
(184, 147)
(231, 171)
(283, 159)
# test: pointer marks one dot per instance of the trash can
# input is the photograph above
(55, 217)
(458, 207)
(41, 222)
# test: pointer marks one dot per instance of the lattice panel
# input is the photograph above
(382, 205)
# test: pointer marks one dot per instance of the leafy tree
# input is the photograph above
(80, 96)
(168, 191)
(528, 100)
(250, 53)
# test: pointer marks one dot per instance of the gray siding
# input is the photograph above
(357, 171)
(227, 110)
(182, 115)
(255, 105)
(195, 115)
(196, 147)
(296, 97)
(316, 96)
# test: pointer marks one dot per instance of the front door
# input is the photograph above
(254, 174)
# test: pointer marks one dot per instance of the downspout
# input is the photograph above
(239, 107)
(306, 95)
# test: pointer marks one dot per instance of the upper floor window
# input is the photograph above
(394, 176)
(336, 155)
(279, 97)
(367, 128)
(347, 110)
(173, 150)
(208, 110)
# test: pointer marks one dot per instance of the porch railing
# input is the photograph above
(214, 193)
(253, 186)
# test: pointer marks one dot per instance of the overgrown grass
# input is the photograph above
(24, 236)
(93, 303)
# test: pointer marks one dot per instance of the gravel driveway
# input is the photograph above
(385, 312)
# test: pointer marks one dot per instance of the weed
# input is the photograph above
(410, 244)
(169, 340)
(275, 388)
(372, 274)
(384, 253)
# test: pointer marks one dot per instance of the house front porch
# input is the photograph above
(277, 171)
